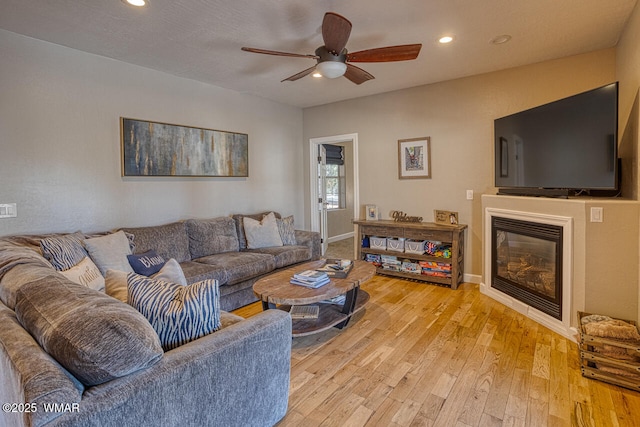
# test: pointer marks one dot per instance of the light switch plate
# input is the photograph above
(469, 194)
(596, 215)
(8, 210)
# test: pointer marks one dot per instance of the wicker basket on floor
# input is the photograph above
(597, 364)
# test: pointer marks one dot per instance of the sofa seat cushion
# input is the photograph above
(198, 271)
(227, 319)
(211, 236)
(240, 266)
(286, 255)
(95, 337)
(168, 241)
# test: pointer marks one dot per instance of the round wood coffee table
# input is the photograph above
(275, 291)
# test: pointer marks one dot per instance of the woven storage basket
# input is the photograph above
(396, 245)
(414, 246)
(378, 242)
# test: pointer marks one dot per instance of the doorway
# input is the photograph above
(332, 221)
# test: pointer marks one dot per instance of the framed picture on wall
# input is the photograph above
(414, 158)
(371, 212)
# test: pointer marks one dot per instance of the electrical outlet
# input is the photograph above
(469, 194)
(8, 210)
(596, 215)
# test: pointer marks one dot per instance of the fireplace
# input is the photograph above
(528, 265)
(526, 260)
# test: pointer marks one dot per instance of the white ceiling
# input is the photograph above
(201, 39)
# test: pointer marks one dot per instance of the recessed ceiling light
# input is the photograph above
(138, 3)
(501, 39)
(445, 39)
(316, 74)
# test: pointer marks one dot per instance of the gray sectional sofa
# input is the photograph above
(217, 249)
(74, 356)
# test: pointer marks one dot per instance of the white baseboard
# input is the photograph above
(339, 237)
(472, 278)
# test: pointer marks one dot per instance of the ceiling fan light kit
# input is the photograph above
(332, 70)
(333, 60)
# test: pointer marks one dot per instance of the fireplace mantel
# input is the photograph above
(602, 270)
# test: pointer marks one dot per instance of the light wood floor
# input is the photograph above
(422, 355)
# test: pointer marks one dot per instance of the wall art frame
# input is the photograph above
(414, 158)
(162, 149)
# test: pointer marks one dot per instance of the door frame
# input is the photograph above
(350, 138)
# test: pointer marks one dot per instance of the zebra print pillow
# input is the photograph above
(65, 251)
(178, 314)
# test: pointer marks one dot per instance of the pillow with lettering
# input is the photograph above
(85, 273)
(147, 263)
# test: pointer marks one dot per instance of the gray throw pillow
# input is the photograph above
(110, 252)
(287, 231)
(94, 336)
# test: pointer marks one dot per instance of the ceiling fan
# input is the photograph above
(333, 60)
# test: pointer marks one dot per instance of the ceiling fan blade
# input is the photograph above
(335, 32)
(386, 54)
(299, 75)
(276, 53)
(357, 75)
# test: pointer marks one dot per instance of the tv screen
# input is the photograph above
(567, 144)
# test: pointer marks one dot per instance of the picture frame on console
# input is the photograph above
(445, 217)
(371, 212)
(414, 158)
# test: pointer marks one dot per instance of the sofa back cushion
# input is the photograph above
(211, 236)
(32, 374)
(168, 240)
(94, 336)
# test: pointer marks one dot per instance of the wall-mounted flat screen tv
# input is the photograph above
(568, 145)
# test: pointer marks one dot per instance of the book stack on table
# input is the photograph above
(310, 279)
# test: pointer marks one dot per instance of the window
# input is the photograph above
(335, 186)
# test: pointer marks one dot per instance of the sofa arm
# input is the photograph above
(238, 376)
(311, 239)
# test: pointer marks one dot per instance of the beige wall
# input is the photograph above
(628, 73)
(60, 143)
(458, 116)
(628, 66)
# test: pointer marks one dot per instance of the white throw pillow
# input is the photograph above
(85, 273)
(262, 234)
(110, 252)
(116, 281)
(171, 272)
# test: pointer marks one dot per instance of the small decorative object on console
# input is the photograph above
(445, 217)
(399, 216)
